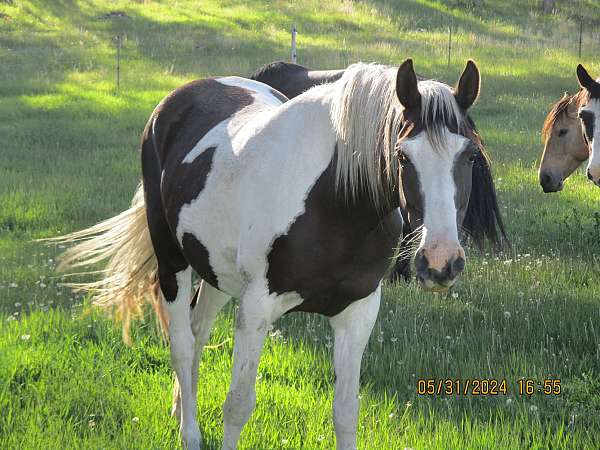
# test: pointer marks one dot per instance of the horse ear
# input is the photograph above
(467, 89)
(406, 86)
(587, 82)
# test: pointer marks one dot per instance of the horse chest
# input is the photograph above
(333, 254)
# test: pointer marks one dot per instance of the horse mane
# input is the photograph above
(483, 219)
(559, 109)
(367, 117)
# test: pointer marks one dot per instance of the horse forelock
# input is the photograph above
(560, 109)
(439, 112)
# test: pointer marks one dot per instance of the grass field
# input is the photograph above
(68, 158)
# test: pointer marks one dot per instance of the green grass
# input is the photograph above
(68, 158)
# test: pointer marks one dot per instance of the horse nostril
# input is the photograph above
(457, 266)
(421, 263)
(545, 179)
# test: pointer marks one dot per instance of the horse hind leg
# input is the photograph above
(206, 305)
(181, 340)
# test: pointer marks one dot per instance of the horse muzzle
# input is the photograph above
(438, 277)
(551, 182)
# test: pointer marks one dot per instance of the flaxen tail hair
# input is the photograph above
(130, 275)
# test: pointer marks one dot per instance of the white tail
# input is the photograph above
(130, 276)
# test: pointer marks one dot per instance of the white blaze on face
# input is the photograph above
(434, 168)
(593, 167)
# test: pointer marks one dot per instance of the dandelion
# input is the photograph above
(277, 334)
(25, 337)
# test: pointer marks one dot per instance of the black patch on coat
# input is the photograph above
(194, 301)
(334, 253)
(587, 118)
(293, 79)
(181, 190)
(174, 128)
(166, 248)
(198, 256)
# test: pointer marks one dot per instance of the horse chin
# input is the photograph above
(553, 189)
(432, 286)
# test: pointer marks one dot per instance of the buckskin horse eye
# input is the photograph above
(562, 132)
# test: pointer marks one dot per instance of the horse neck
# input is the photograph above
(314, 110)
(324, 76)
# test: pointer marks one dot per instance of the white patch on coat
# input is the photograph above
(593, 166)
(258, 183)
(435, 172)
(265, 91)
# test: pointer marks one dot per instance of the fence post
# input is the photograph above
(449, 42)
(118, 63)
(294, 54)
(580, 35)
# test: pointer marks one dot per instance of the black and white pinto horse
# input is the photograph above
(288, 207)
(292, 79)
(589, 113)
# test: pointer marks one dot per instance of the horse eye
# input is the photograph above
(472, 157)
(562, 131)
(403, 158)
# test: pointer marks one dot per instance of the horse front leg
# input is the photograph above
(257, 311)
(352, 328)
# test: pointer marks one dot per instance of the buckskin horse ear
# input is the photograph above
(467, 88)
(587, 82)
(406, 86)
